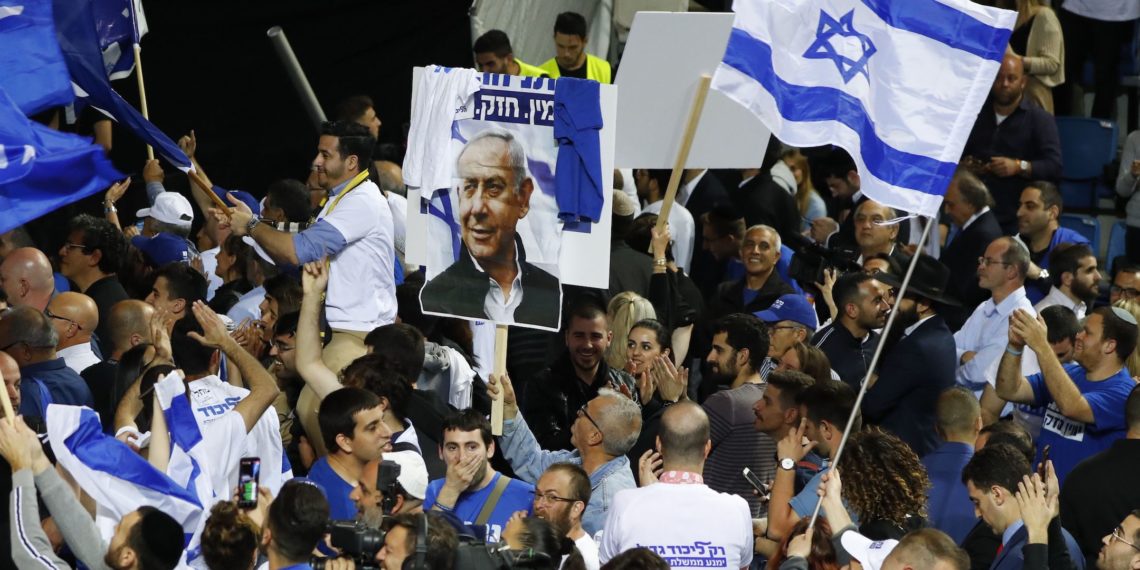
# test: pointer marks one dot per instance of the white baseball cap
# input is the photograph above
(869, 553)
(413, 472)
(170, 208)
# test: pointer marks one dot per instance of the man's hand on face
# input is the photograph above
(461, 473)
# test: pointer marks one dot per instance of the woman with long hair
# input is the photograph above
(808, 201)
(810, 360)
(885, 484)
(625, 309)
(822, 555)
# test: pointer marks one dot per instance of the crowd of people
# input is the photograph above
(699, 412)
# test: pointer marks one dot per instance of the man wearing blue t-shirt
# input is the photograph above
(1084, 401)
(474, 492)
(352, 423)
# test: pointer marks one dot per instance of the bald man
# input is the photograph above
(28, 337)
(26, 277)
(74, 317)
(1025, 148)
(128, 325)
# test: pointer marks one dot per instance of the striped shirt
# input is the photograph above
(736, 444)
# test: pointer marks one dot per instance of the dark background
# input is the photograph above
(209, 66)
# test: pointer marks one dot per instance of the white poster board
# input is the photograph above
(666, 54)
(582, 258)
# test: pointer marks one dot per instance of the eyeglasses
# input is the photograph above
(551, 498)
(52, 315)
(281, 347)
(784, 327)
(584, 412)
(70, 245)
(986, 262)
(1126, 292)
(1118, 534)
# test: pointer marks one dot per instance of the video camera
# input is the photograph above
(811, 259)
(484, 556)
(355, 540)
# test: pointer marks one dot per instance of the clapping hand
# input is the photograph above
(649, 467)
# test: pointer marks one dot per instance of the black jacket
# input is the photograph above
(961, 257)
(849, 356)
(729, 296)
(1098, 493)
(911, 377)
(554, 395)
(630, 270)
(762, 201)
(461, 289)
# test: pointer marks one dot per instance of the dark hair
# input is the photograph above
(541, 538)
(468, 420)
(287, 324)
(352, 108)
(1116, 328)
(579, 480)
(131, 364)
(337, 413)
(229, 539)
(157, 539)
(745, 331)
(183, 282)
(1008, 432)
(292, 197)
(889, 482)
(846, 289)
(570, 24)
(494, 41)
(1124, 267)
(150, 377)
(1061, 323)
(664, 337)
(441, 542)
(190, 355)
(25, 324)
(1132, 409)
(353, 139)
(369, 373)
(400, 347)
(99, 234)
(831, 401)
(791, 383)
(661, 176)
(243, 254)
(1050, 194)
(1066, 258)
(586, 306)
(839, 163)
(640, 235)
(1002, 465)
(286, 290)
(822, 555)
(640, 558)
(973, 190)
(725, 220)
(297, 519)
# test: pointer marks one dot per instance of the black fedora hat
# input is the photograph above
(929, 280)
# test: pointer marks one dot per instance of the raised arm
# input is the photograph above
(1070, 402)
(314, 281)
(1011, 385)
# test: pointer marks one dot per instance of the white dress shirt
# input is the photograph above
(683, 229)
(986, 333)
(498, 305)
(1058, 297)
(78, 357)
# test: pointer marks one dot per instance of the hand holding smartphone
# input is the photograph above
(249, 477)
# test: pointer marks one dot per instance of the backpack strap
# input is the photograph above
(493, 499)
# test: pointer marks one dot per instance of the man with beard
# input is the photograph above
(560, 497)
(919, 365)
(1013, 142)
(144, 539)
(1120, 550)
(739, 349)
(1038, 221)
(472, 491)
(1075, 279)
(850, 340)
(405, 496)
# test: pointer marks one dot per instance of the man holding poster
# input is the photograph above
(491, 278)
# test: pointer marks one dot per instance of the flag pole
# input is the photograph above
(499, 370)
(683, 152)
(875, 360)
(139, 70)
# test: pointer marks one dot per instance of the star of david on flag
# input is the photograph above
(896, 83)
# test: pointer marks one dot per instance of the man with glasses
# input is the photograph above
(981, 341)
(603, 431)
(93, 254)
(560, 498)
(1121, 550)
(74, 317)
(28, 337)
(1125, 282)
(791, 319)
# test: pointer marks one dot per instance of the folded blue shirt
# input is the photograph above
(578, 175)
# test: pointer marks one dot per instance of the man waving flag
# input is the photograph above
(897, 83)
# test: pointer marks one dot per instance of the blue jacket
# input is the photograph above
(1037, 290)
(949, 505)
(1012, 556)
(530, 461)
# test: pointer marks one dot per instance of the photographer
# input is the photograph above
(383, 490)
(403, 541)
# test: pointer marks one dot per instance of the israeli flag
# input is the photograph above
(118, 479)
(897, 83)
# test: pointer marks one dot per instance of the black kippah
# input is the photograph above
(163, 537)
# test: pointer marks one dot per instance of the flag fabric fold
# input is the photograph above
(896, 83)
(120, 24)
(32, 69)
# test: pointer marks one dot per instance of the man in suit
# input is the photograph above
(967, 204)
(837, 229)
(991, 478)
(873, 237)
(492, 280)
(920, 365)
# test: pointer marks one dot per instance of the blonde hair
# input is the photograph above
(626, 308)
(1132, 363)
(796, 159)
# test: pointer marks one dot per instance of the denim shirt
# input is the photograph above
(530, 461)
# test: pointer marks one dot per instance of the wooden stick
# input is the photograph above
(683, 152)
(142, 94)
(10, 414)
(499, 371)
(194, 177)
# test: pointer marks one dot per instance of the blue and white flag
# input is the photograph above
(120, 24)
(32, 70)
(118, 479)
(42, 169)
(75, 28)
(897, 83)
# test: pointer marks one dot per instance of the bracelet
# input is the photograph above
(109, 208)
(659, 262)
(1014, 352)
(443, 508)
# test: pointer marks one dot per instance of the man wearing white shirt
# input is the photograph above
(981, 341)
(967, 205)
(676, 515)
(74, 316)
(651, 186)
(1075, 279)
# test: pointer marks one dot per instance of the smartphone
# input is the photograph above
(755, 482)
(249, 475)
(1041, 470)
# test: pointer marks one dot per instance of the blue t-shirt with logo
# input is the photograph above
(1071, 440)
(518, 496)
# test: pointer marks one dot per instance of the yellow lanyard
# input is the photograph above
(360, 178)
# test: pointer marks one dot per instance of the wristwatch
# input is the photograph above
(1044, 274)
(1023, 165)
(787, 464)
(252, 222)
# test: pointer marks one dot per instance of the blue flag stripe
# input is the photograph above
(753, 58)
(943, 23)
